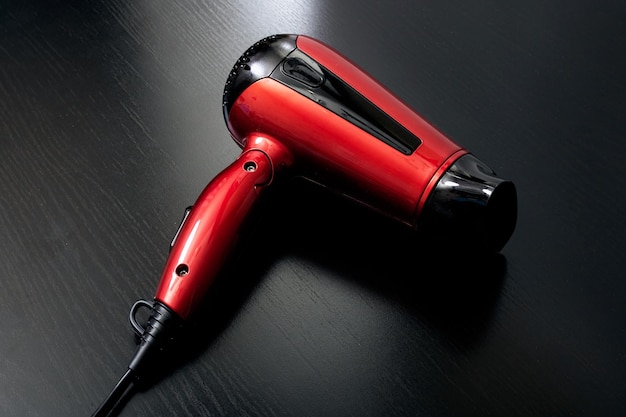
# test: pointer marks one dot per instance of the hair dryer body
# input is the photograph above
(344, 130)
(292, 102)
(296, 105)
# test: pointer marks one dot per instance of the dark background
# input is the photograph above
(111, 124)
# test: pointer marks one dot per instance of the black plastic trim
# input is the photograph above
(256, 63)
(306, 76)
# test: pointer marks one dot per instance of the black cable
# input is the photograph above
(123, 385)
(156, 337)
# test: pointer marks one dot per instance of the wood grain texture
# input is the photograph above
(111, 124)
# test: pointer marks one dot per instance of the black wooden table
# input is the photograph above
(111, 124)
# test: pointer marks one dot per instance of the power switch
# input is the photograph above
(182, 222)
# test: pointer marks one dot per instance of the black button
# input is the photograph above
(299, 70)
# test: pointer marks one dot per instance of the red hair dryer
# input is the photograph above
(295, 105)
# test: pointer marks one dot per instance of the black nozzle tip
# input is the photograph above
(471, 207)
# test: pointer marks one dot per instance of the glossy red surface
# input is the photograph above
(211, 228)
(334, 152)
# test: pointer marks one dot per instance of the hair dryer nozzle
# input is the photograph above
(470, 206)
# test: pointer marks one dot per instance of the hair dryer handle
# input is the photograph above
(210, 229)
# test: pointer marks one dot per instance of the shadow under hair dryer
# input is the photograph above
(297, 107)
